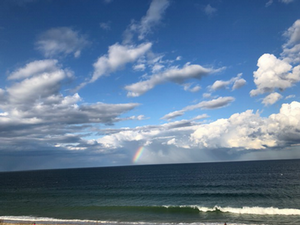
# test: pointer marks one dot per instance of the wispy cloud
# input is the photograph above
(153, 17)
(61, 41)
(105, 25)
(209, 10)
(170, 75)
(212, 104)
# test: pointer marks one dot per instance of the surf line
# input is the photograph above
(138, 154)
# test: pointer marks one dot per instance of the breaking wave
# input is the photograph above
(243, 210)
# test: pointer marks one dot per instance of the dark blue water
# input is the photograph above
(260, 192)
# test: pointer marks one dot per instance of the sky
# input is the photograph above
(91, 83)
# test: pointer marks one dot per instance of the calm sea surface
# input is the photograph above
(260, 192)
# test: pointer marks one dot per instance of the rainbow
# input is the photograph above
(138, 154)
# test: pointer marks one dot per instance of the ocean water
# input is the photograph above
(256, 192)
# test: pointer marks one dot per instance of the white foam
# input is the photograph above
(252, 210)
(46, 219)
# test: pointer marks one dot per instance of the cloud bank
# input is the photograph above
(246, 131)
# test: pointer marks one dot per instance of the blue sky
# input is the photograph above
(89, 83)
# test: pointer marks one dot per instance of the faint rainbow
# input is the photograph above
(138, 154)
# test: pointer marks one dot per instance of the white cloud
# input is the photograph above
(270, 2)
(171, 75)
(271, 98)
(209, 10)
(274, 74)
(206, 95)
(286, 1)
(219, 84)
(34, 68)
(291, 49)
(139, 67)
(279, 73)
(149, 134)
(105, 25)
(250, 131)
(118, 56)
(27, 110)
(152, 18)
(237, 82)
(193, 141)
(293, 33)
(191, 88)
(212, 104)
(290, 96)
(62, 40)
(42, 80)
(157, 67)
(243, 130)
(173, 115)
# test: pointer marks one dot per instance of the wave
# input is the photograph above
(243, 210)
(169, 209)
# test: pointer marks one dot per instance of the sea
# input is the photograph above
(235, 193)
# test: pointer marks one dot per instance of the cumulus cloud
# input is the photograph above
(61, 41)
(171, 75)
(248, 130)
(279, 73)
(274, 73)
(212, 104)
